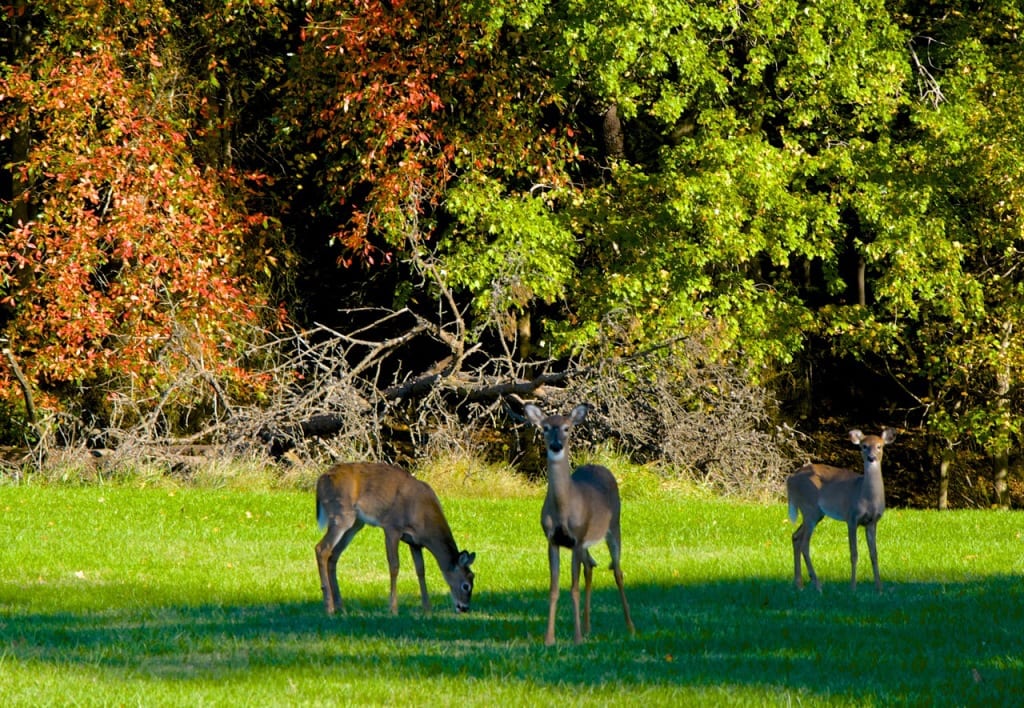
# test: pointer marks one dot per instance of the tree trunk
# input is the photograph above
(1001, 471)
(26, 389)
(611, 129)
(944, 465)
(862, 286)
(1001, 457)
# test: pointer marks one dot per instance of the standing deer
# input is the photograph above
(351, 495)
(858, 499)
(580, 510)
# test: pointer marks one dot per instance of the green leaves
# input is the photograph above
(759, 160)
(511, 250)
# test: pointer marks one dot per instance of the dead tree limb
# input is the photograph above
(26, 390)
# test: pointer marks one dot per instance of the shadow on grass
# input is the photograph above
(957, 643)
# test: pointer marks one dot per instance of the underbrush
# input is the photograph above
(453, 474)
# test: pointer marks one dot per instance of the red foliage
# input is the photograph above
(394, 99)
(129, 265)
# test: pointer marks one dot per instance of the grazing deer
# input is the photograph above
(580, 510)
(858, 499)
(351, 495)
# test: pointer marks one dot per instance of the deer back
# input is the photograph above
(822, 486)
(382, 495)
(837, 498)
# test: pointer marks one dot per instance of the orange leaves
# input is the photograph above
(131, 243)
(390, 102)
(376, 79)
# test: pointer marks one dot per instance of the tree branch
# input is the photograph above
(26, 391)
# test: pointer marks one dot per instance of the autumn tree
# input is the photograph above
(664, 207)
(421, 141)
(122, 266)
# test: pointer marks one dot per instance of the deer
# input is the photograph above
(353, 494)
(582, 508)
(817, 491)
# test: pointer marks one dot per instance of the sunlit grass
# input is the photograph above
(164, 594)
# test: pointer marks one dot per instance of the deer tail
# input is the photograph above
(321, 514)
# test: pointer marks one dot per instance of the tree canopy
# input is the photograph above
(537, 188)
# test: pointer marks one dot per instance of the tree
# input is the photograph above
(939, 206)
(472, 201)
(130, 266)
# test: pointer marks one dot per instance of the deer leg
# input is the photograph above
(417, 561)
(869, 532)
(327, 564)
(577, 562)
(806, 552)
(852, 529)
(588, 563)
(625, 604)
(553, 562)
(615, 549)
(391, 539)
(798, 548)
(339, 534)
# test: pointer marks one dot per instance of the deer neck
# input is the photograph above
(873, 487)
(559, 477)
(442, 545)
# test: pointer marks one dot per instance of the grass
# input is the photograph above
(209, 596)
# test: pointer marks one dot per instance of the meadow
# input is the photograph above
(149, 594)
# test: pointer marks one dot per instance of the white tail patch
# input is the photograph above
(321, 516)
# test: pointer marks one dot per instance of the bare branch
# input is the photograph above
(26, 390)
(930, 85)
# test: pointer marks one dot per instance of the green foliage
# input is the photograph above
(510, 251)
(618, 174)
(702, 227)
(939, 215)
(423, 100)
(680, 252)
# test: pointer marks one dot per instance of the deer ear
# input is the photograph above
(534, 414)
(856, 436)
(579, 413)
(888, 435)
(466, 558)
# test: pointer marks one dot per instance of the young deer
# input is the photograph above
(858, 499)
(351, 495)
(579, 511)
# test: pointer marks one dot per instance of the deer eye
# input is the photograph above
(466, 587)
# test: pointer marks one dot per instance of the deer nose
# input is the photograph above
(459, 607)
(555, 447)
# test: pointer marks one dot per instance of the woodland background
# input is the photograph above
(303, 230)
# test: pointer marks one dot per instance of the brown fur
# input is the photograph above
(579, 510)
(351, 495)
(817, 491)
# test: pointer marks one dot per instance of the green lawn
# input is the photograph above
(128, 596)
